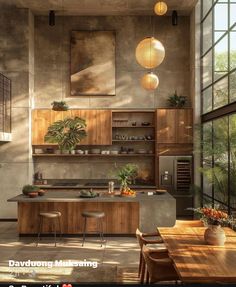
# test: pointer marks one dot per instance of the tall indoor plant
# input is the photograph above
(67, 133)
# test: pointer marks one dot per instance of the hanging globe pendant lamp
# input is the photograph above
(150, 53)
(150, 81)
(160, 8)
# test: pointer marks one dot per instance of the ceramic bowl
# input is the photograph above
(33, 194)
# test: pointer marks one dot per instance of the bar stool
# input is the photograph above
(99, 215)
(55, 217)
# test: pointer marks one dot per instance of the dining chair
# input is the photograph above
(189, 223)
(158, 245)
(159, 269)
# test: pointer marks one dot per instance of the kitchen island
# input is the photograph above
(123, 214)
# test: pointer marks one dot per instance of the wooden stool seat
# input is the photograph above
(51, 214)
(93, 214)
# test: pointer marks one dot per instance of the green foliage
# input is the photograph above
(218, 174)
(29, 188)
(66, 133)
(126, 174)
(59, 106)
(177, 101)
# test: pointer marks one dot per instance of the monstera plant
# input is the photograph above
(66, 133)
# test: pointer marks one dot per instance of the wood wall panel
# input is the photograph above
(121, 217)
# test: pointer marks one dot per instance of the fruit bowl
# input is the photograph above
(128, 193)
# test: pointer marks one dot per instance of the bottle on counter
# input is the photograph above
(111, 187)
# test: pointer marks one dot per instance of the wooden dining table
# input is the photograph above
(197, 262)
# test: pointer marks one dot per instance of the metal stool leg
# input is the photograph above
(39, 229)
(55, 232)
(85, 223)
(101, 231)
(59, 222)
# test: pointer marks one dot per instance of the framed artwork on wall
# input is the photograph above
(92, 64)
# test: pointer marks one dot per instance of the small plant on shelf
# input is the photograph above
(125, 175)
(66, 133)
(177, 101)
(60, 106)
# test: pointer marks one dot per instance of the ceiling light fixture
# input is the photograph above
(160, 8)
(150, 81)
(174, 18)
(51, 18)
(150, 53)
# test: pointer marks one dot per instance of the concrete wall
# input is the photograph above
(16, 62)
(52, 58)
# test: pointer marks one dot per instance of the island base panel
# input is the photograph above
(121, 217)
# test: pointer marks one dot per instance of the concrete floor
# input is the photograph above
(118, 255)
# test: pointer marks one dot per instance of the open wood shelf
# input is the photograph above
(140, 127)
(93, 155)
(133, 140)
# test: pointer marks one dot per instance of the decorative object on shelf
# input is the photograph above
(30, 189)
(92, 73)
(51, 18)
(174, 18)
(214, 218)
(59, 106)
(126, 175)
(66, 133)
(150, 53)
(160, 8)
(150, 81)
(177, 101)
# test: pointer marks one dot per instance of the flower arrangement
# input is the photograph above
(213, 216)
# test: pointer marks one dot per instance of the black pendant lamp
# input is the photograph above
(174, 18)
(51, 18)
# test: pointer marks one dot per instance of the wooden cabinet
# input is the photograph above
(99, 129)
(184, 122)
(166, 128)
(174, 126)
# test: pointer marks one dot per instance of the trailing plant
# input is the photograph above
(66, 133)
(126, 174)
(177, 101)
(60, 106)
(29, 188)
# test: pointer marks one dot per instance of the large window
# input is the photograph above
(218, 102)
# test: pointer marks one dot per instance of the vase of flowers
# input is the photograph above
(214, 219)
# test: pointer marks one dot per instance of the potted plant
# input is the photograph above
(177, 101)
(66, 133)
(59, 106)
(125, 175)
(214, 219)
